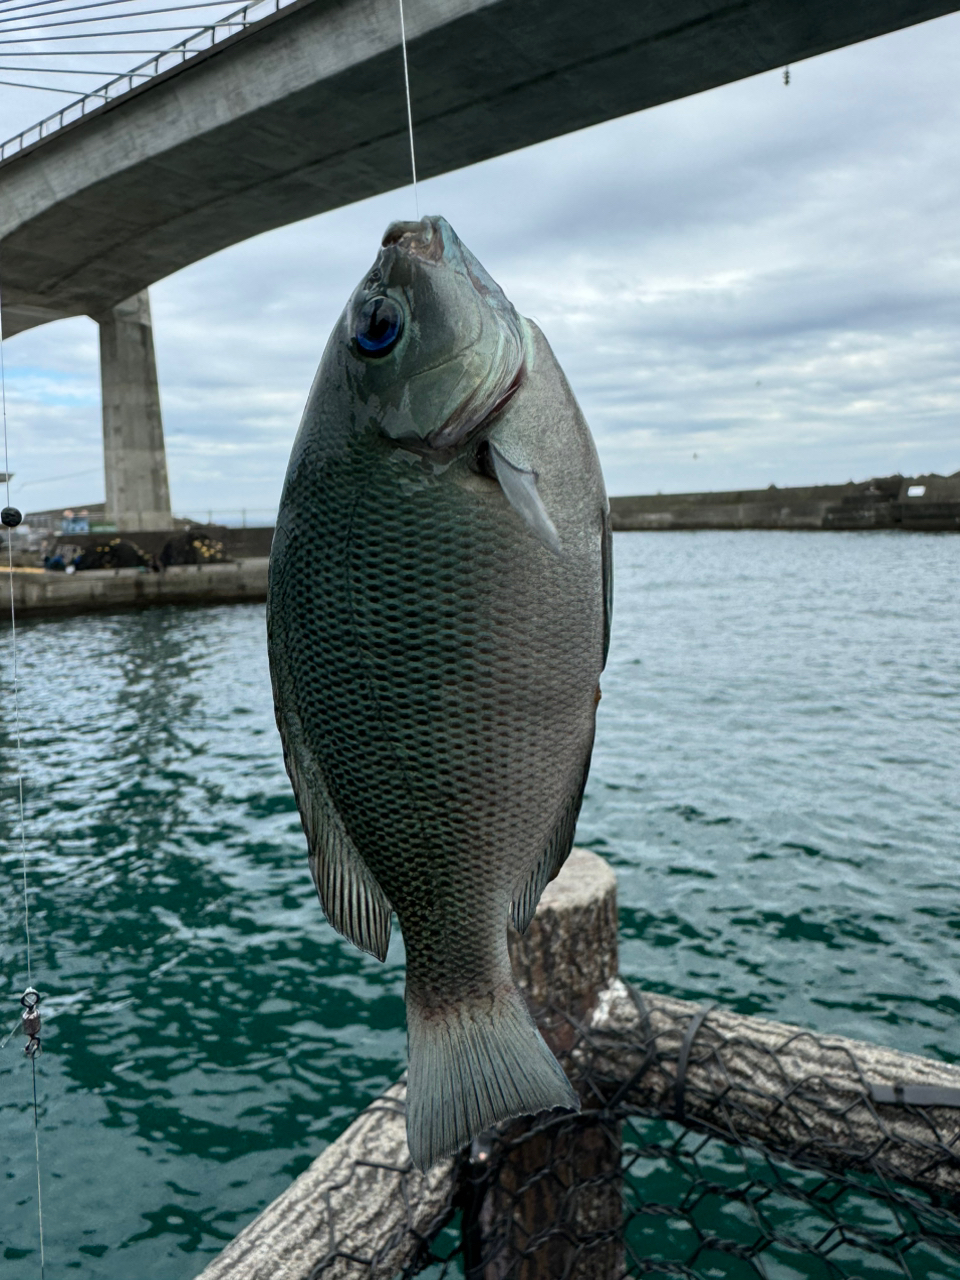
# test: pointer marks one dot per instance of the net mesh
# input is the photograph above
(784, 1170)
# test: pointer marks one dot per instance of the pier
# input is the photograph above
(36, 593)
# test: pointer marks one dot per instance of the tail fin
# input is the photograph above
(472, 1066)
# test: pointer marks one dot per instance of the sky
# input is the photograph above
(756, 285)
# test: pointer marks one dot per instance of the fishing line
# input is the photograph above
(406, 80)
(30, 1000)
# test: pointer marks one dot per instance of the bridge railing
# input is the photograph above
(230, 25)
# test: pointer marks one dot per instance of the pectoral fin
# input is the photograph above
(520, 490)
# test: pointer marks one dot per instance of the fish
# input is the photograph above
(438, 617)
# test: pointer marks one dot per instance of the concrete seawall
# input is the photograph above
(95, 590)
(920, 504)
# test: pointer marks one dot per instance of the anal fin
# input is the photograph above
(527, 895)
(352, 900)
(554, 855)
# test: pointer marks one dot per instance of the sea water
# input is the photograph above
(775, 782)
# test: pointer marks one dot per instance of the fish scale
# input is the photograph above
(435, 670)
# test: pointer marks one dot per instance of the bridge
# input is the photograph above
(303, 110)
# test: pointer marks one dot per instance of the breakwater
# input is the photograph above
(917, 503)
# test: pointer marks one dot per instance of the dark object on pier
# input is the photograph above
(710, 1144)
(238, 544)
(193, 547)
(928, 504)
(113, 553)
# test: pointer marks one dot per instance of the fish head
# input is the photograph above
(433, 346)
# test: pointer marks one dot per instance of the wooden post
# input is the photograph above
(547, 1198)
(542, 1197)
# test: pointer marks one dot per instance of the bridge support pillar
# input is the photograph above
(134, 458)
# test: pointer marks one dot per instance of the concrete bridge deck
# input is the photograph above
(304, 111)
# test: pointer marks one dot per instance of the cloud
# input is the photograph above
(765, 277)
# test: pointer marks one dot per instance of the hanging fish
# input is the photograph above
(438, 618)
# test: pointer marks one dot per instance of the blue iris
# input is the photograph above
(379, 325)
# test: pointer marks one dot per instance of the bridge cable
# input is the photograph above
(85, 53)
(118, 17)
(71, 71)
(106, 32)
(45, 88)
(91, 35)
(30, 1000)
(406, 80)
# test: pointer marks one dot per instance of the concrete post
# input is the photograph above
(135, 463)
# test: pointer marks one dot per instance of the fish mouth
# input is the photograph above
(423, 239)
(486, 367)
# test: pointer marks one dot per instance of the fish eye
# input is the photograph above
(378, 326)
